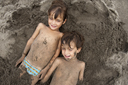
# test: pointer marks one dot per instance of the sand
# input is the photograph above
(97, 20)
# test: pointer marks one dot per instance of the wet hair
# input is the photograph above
(58, 6)
(73, 36)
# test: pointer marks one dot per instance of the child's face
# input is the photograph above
(55, 24)
(70, 53)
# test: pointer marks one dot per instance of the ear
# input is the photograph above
(64, 21)
(78, 50)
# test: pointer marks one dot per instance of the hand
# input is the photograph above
(42, 73)
(19, 61)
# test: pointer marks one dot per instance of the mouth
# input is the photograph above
(67, 56)
(53, 26)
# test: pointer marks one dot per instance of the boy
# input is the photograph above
(68, 68)
(44, 45)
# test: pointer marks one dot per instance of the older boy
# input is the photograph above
(44, 45)
(68, 68)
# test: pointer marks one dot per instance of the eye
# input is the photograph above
(58, 20)
(63, 48)
(50, 18)
(70, 49)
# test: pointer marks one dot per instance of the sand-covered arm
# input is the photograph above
(50, 71)
(81, 74)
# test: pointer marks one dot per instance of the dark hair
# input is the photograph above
(59, 7)
(73, 36)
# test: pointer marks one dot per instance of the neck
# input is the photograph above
(73, 59)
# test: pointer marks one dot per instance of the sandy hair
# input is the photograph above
(74, 36)
(59, 7)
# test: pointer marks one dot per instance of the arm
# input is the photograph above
(50, 71)
(81, 74)
(55, 55)
(29, 42)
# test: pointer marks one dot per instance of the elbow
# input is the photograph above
(29, 42)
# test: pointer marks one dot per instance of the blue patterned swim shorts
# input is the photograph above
(30, 69)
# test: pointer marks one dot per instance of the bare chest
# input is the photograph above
(43, 48)
(68, 71)
(46, 39)
(66, 75)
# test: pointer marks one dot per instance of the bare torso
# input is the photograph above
(43, 48)
(67, 73)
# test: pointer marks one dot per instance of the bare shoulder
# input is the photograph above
(41, 25)
(81, 63)
(61, 34)
(58, 59)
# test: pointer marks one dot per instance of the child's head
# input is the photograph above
(72, 43)
(57, 14)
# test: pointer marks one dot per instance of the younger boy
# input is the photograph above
(68, 68)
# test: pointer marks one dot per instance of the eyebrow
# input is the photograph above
(71, 47)
(51, 16)
(59, 19)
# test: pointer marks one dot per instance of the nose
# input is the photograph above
(66, 52)
(53, 22)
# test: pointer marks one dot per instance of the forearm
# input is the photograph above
(54, 57)
(52, 60)
(45, 79)
(48, 65)
(81, 76)
(50, 71)
(27, 47)
(46, 69)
